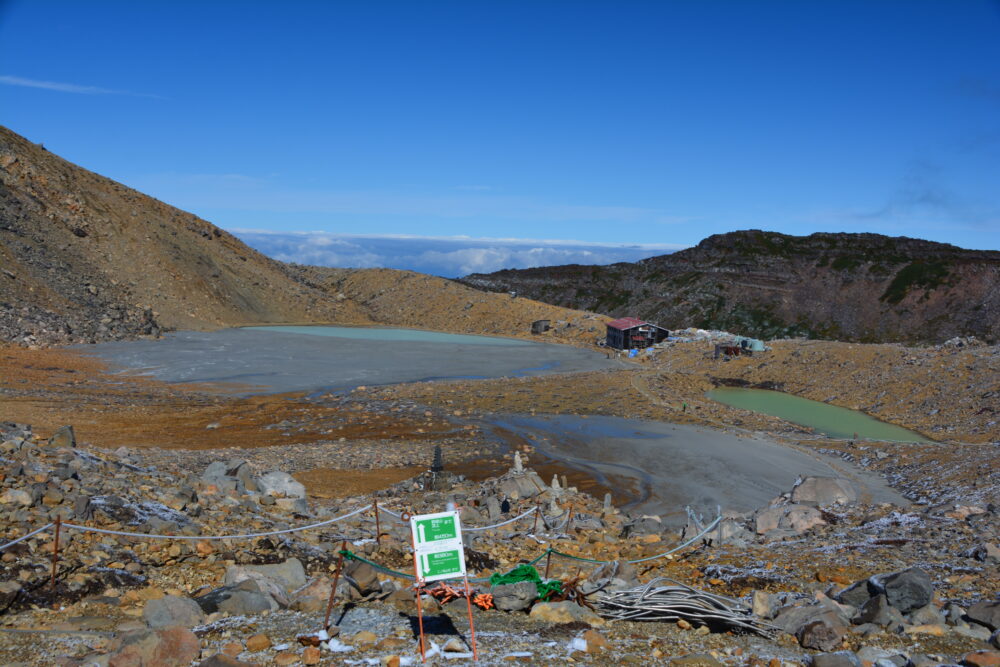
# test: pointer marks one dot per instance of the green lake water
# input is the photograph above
(387, 334)
(831, 420)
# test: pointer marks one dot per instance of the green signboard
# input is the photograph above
(437, 529)
(433, 565)
(437, 543)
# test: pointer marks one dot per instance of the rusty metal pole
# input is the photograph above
(472, 627)
(333, 590)
(548, 562)
(378, 525)
(538, 510)
(55, 552)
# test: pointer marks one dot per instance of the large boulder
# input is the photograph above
(280, 484)
(824, 491)
(245, 598)
(823, 634)
(518, 487)
(514, 597)
(64, 438)
(877, 610)
(289, 575)
(565, 612)
(362, 578)
(985, 613)
(172, 610)
(907, 590)
(790, 519)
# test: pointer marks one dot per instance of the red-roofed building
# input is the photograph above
(628, 333)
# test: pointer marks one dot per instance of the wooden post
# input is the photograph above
(472, 627)
(336, 580)
(55, 551)
(548, 562)
(378, 525)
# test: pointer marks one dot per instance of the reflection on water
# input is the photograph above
(395, 335)
(831, 420)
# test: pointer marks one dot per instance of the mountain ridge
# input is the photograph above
(853, 287)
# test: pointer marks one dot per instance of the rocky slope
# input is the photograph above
(855, 287)
(84, 259)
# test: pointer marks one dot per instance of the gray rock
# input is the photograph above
(908, 590)
(791, 519)
(521, 486)
(242, 599)
(873, 653)
(614, 576)
(363, 579)
(856, 595)
(954, 614)
(974, 631)
(645, 525)
(985, 613)
(290, 575)
(492, 508)
(64, 437)
(223, 660)
(986, 552)
(278, 483)
(878, 611)
(822, 634)
(172, 610)
(838, 659)
(995, 639)
(823, 491)
(764, 604)
(514, 597)
(926, 615)
(792, 619)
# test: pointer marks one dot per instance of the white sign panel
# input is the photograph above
(438, 547)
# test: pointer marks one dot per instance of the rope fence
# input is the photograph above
(344, 553)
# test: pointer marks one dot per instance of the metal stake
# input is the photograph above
(472, 627)
(548, 562)
(336, 580)
(55, 551)
(378, 525)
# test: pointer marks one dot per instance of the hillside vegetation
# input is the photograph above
(854, 287)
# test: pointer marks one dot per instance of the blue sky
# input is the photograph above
(598, 124)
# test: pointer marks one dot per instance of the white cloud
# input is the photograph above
(444, 256)
(67, 87)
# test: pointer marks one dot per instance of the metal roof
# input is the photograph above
(626, 323)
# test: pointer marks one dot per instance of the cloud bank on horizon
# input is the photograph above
(449, 257)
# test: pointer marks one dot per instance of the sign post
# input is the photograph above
(438, 554)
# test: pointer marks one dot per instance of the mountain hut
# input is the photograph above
(628, 333)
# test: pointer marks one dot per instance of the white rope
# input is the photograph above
(502, 523)
(694, 539)
(24, 537)
(105, 531)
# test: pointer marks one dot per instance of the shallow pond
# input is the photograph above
(831, 420)
(281, 359)
(392, 335)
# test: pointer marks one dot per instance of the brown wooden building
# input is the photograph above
(628, 333)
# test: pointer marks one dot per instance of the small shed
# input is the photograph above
(540, 326)
(629, 333)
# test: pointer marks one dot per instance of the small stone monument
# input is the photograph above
(518, 463)
(437, 465)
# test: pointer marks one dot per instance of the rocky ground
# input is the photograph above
(793, 566)
(155, 458)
